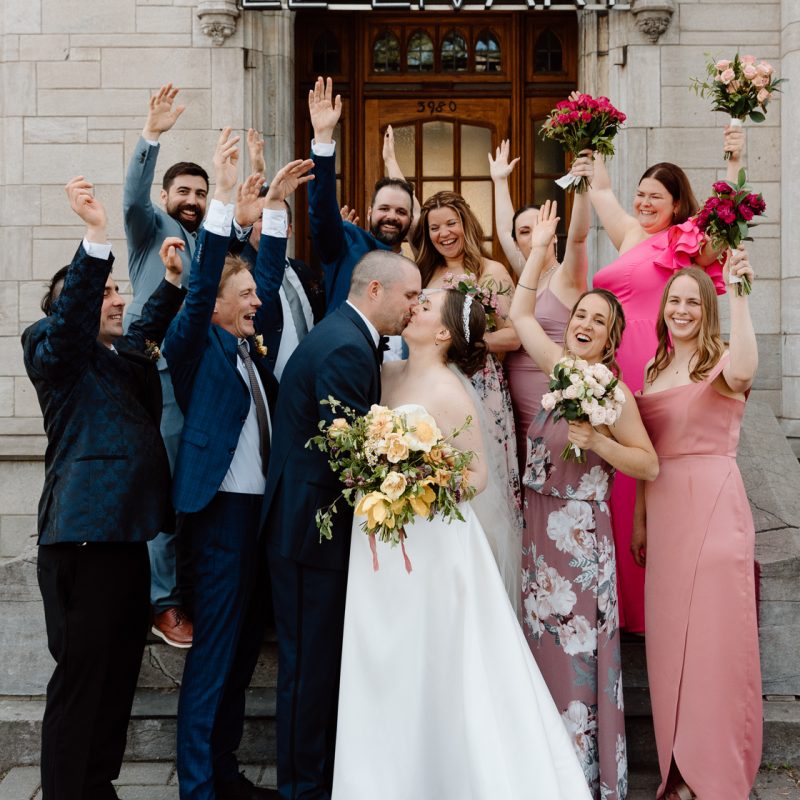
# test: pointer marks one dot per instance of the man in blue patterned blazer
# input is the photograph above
(106, 493)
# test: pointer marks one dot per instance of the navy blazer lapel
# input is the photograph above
(353, 315)
(228, 343)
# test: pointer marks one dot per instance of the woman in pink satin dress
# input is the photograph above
(657, 240)
(560, 286)
(695, 530)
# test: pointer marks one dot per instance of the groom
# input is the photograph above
(341, 358)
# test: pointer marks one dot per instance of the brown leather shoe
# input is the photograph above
(174, 627)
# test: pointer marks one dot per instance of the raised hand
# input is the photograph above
(288, 178)
(171, 258)
(546, 225)
(324, 110)
(255, 149)
(734, 140)
(249, 202)
(88, 208)
(162, 114)
(500, 167)
(738, 266)
(349, 215)
(226, 162)
(583, 165)
(389, 155)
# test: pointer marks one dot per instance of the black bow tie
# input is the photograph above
(383, 346)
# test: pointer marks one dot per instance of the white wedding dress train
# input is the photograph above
(440, 698)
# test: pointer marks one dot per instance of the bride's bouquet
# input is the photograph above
(740, 88)
(583, 391)
(395, 466)
(580, 124)
(487, 293)
(726, 218)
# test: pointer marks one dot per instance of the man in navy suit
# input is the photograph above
(341, 357)
(225, 389)
(106, 493)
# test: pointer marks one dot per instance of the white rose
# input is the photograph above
(422, 433)
(619, 395)
(597, 416)
(572, 392)
(548, 401)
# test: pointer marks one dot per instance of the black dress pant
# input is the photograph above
(96, 605)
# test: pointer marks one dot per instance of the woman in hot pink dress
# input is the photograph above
(694, 527)
(657, 240)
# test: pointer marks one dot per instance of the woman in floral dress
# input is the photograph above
(569, 591)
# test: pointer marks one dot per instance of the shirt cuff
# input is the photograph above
(274, 223)
(150, 142)
(242, 234)
(219, 217)
(323, 148)
(97, 250)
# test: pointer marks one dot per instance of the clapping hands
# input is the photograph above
(88, 208)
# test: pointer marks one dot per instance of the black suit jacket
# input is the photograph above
(337, 358)
(106, 470)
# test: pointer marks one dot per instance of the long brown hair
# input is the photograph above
(615, 325)
(428, 258)
(710, 346)
(470, 356)
(674, 180)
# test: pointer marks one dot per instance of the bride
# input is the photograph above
(440, 698)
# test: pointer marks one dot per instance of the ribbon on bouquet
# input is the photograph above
(373, 546)
(565, 181)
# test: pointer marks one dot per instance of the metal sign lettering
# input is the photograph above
(436, 5)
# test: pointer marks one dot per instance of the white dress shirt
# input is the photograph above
(376, 337)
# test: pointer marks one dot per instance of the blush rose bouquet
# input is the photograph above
(395, 466)
(580, 123)
(583, 391)
(740, 87)
(726, 218)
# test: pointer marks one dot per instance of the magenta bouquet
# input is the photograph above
(727, 216)
(583, 123)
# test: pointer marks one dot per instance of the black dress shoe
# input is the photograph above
(243, 789)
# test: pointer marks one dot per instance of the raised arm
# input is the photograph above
(575, 265)
(500, 168)
(734, 143)
(539, 346)
(617, 222)
(742, 349)
(393, 170)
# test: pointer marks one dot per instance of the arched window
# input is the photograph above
(454, 53)
(488, 57)
(386, 53)
(326, 57)
(548, 55)
(420, 53)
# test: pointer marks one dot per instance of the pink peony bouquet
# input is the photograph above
(740, 88)
(580, 124)
(726, 218)
(583, 391)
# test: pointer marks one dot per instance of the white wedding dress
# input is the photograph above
(440, 698)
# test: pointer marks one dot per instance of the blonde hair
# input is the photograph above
(615, 327)
(233, 266)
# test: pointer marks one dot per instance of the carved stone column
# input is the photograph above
(218, 19)
(653, 17)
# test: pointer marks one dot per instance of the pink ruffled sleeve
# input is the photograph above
(684, 242)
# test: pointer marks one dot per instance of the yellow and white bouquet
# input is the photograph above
(395, 466)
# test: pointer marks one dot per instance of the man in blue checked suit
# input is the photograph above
(226, 390)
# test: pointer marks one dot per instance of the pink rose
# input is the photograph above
(763, 96)
(764, 69)
(760, 81)
(745, 212)
(748, 59)
(721, 187)
(722, 64)
(586, 116)
(725, 212)
(727, 75)
(750, 71)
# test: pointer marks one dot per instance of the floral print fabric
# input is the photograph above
(569, 601)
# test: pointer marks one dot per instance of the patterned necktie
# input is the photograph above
(296, 306)
(261, 408)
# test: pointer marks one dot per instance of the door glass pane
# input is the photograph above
(548, 155)
(386, 53)
(404, 142)
(479, 196)
(454, 53)
(420, 53)
(476, 143)
(431, 187)
(487, 53)
(437, 148)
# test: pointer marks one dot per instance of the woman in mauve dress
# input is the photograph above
(560, 285)
(694, 528)
(657, 240)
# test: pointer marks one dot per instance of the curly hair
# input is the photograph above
(470, 356)
(615, 326)
(674, 180)
(710, 346)
(428, 258)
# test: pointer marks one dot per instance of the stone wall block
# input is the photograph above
(791, 355)
(161, 19)
(26, 403)
(44, 47)
(10, 365)
(127, 67)
(740, 17)
(30, 299)
(640, 102)
(105, 137)
(15, 245)
(77, 16)
(768, 376)
(84, 53)
(790, 289)
(54, 130)
(49, 255)
(121, 122)
(6, 397)
(20, 205)
(680, 63)
(57, 163)
(765, 255)
(17, 534)
(227, 89)
(9, 311)
(791, 398)
(747, 40)
(11, 144)
(19, 88)
(22, 17)
(152, 41)
(97, 102)
(681, 106)
(68, 74)
(184, 145)
(692, 147)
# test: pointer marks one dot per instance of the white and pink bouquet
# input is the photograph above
(485, 292)
(395, 466)
(580, 124)
(585, 392)
(741, 88)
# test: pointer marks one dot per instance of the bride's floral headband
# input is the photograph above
(465, 315)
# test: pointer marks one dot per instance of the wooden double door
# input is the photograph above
(452, 86)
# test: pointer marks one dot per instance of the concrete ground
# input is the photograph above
(158, 781)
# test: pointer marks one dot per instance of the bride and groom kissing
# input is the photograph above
(422, 683)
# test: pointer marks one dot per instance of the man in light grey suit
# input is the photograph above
(183, 195)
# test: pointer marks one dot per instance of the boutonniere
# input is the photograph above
(152, 350)
(261, 348)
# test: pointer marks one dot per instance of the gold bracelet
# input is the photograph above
(529, 288)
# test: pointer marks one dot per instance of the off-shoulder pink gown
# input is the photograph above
(700, 600)
(638, 278)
